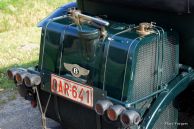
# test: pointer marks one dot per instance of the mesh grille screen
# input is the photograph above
(146, 78)
(168, 119)
(169, 59)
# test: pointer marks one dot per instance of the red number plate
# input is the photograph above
(72, 90)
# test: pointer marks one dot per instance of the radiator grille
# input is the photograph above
(169, 59)
(145, 75)
(168, 119)
(147, 78)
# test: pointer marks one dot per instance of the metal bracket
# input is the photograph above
(129, 104)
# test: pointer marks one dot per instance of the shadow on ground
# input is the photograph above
(18, 113)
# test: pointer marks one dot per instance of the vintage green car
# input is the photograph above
(108, 64)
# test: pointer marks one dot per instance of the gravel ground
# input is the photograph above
(17, 113)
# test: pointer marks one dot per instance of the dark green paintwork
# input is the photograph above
(64, 39)
(182, 23)
(73, 52)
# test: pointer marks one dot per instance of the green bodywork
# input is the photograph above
(63, 42)
(112, 62)
(181, 22)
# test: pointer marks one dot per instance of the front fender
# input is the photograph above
(175, 87)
